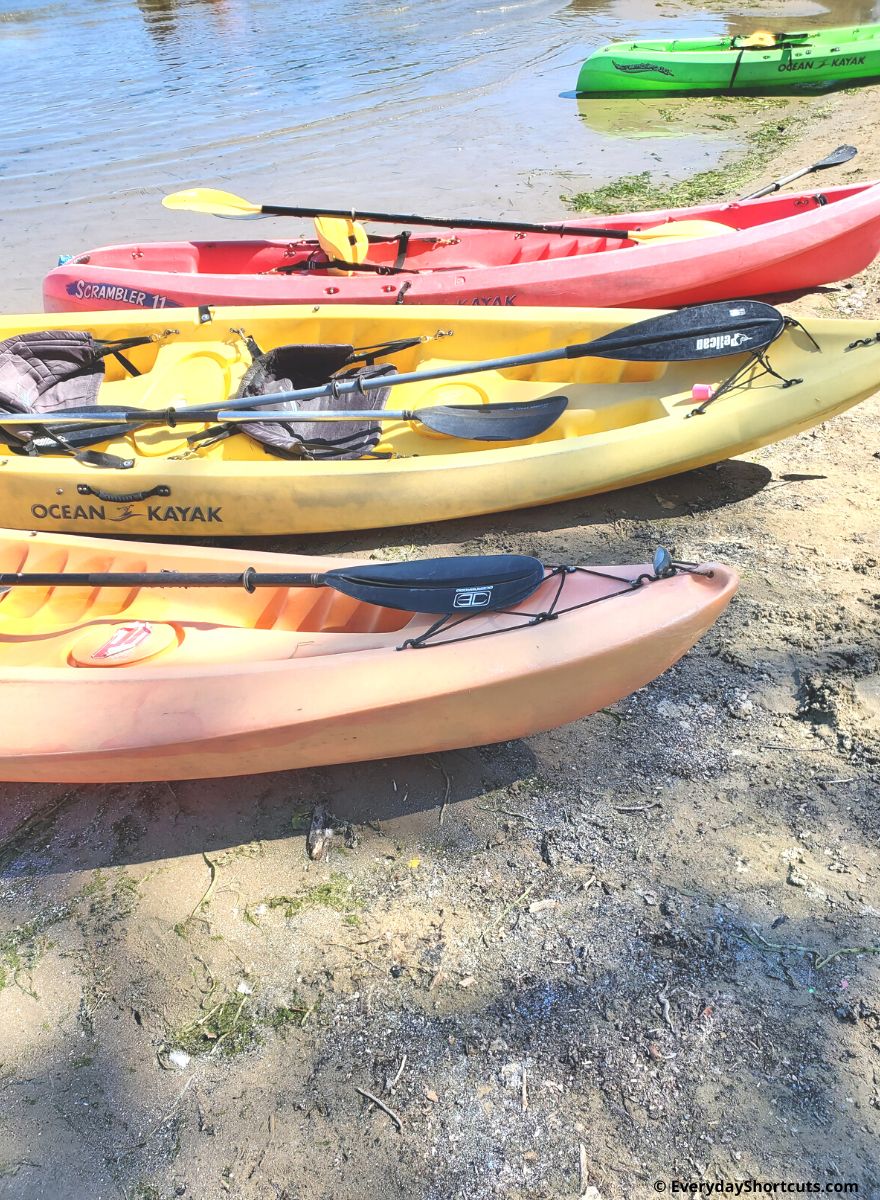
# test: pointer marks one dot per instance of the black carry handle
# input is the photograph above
(86, 489)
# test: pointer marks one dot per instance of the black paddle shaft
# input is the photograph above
(351, 214)
(462, 585)
(836, 158)
(248, 579)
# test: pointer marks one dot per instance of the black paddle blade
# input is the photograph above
(701, 331)
(841, 155)
(469, 584)
(516, 421)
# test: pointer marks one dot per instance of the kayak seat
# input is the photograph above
(288, 368)
(48, 372)
(59, 371)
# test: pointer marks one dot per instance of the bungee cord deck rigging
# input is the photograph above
(662, 567)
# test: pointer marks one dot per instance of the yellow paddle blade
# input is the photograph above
(343, 240)
(674, 231)
(213, 201)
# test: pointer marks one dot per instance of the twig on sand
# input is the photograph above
(356, 954)
(504, 912)
(438, 765)
(390, 1111)
(792, 749)
(818, 960)
(508, 812)
(141, 1142)
(636, 807)
(391, 1084)
(664, 1008)
(209, 891)
(822, 962)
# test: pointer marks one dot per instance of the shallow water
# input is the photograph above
(452, 107)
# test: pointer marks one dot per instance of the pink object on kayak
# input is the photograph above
(778, 244)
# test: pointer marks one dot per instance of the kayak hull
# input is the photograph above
(817, 61)
(782, 243)
(257, 683)
(625, 423)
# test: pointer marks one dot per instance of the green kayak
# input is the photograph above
(761, 62)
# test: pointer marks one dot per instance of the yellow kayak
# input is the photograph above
(624, 422)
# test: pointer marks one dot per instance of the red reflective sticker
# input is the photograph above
(124, 638)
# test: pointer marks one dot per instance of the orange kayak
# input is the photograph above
(117, 684)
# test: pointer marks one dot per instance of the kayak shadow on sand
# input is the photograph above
(50, 829)
(690, 493)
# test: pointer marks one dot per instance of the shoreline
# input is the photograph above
(772, 147)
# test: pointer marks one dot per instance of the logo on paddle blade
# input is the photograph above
(722, 341)
(474, 597)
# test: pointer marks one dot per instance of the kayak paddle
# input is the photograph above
(703, 331)
(430, 585)
(512, 421)
(836, 158)
(225, 204)
(685, 335)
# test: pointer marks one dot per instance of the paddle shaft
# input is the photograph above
(248, 579)
(822, 165)
(351, 214)
(345, 387)
(227, 413)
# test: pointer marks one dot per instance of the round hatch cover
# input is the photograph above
(119, 645)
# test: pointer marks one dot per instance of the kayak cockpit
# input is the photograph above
(122, 626)
(304, 258)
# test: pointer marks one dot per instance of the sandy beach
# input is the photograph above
(640, 948)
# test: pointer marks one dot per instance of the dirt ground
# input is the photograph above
(643, 947)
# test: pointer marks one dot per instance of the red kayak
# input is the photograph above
(778, 244)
